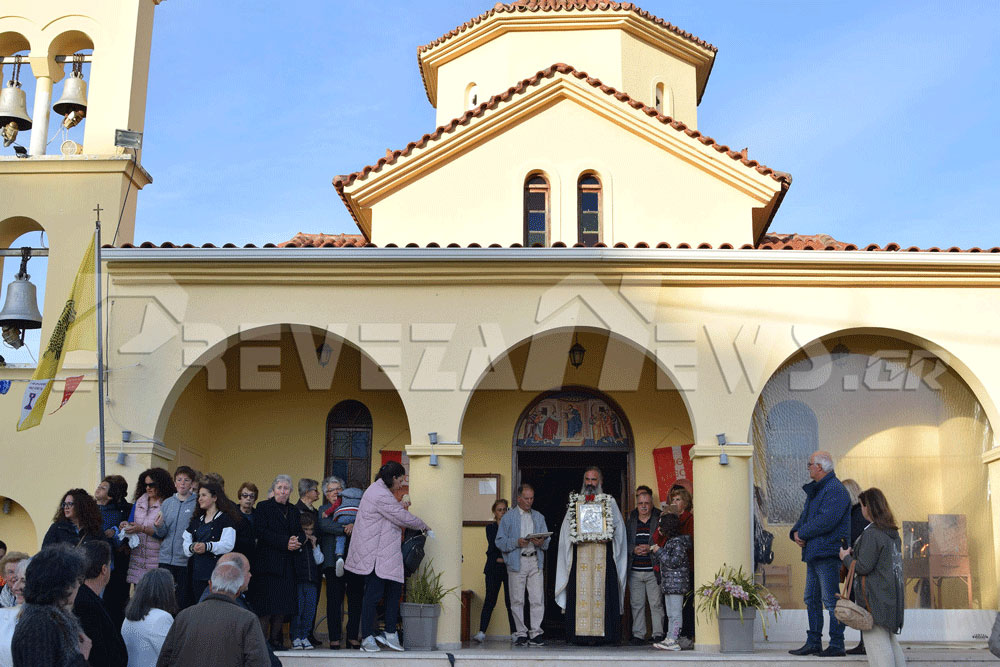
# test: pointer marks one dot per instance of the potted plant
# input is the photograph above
(734, 598)
(422, 607)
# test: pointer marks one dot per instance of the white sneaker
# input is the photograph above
(389, 640)
(667, 645)
(480, 636)
(369, 645)
(297, 645)
(306, 645)
(340, 567)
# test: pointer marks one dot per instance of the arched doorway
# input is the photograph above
(558, 436)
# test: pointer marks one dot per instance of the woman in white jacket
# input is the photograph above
(148, 617)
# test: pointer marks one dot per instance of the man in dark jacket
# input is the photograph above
(217, 631)
(643, 584)
(822, 529)
(108, 648)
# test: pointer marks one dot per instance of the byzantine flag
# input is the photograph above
(75, 330)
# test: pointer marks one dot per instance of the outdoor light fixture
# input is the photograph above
(6, 506)
(323, 353)
(723, 457)
(433, 438)
(128, 139)
(576, 353)
(839, 354)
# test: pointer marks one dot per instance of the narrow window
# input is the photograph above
(349, 443)
(471, 96)
(658, 97)
(536, 211)
(589, 210)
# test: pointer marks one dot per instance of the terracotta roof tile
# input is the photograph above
(566, 5)
(767, 243)
(340, 182)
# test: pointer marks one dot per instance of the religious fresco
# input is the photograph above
(572, 419)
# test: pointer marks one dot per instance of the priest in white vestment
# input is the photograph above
(592, 565)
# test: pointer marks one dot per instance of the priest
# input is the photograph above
(592, 564)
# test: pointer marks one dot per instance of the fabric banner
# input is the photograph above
(76, 329)
(71, 384)
(404, 460)
(4, 387)
(671, 464)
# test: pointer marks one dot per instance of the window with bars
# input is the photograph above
(536, 211)
(349, 443)
(589, 210)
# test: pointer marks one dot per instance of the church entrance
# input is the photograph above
(559, 435)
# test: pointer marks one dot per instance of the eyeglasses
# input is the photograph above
(247, 495)
(149, 484)
(334, 488)
(68, 504)
(810, 465)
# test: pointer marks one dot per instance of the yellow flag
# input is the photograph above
(75, 330)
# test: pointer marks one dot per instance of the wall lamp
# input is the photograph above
(723, 457)
(433, 437)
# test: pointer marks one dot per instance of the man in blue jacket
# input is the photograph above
(525, 560)
(823, 527)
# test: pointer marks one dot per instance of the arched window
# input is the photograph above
(663, 100)
(588, 214)
(471, 96)
(349, 443)
(791, 434)
(536, 211)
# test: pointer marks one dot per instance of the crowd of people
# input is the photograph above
(183, 575)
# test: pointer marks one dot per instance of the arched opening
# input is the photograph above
(642, 436)
(349, 443)
(15, 233)
(589, 200)
(537, 216)
(62, 140)
(14, 44)
(16, 527)
(471, 96)
(663, 99)
(896, 417)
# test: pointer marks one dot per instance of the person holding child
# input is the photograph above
(675, 574)
(330, 532)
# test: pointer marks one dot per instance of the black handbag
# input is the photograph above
(413, 550)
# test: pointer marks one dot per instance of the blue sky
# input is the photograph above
(882, 111)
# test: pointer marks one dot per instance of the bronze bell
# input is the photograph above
(20, 311)
(13, 112)
(73, 103)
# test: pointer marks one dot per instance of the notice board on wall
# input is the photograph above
(479, 492)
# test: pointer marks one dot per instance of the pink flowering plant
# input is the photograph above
(738, 591)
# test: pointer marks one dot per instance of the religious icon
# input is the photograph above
(590, 518)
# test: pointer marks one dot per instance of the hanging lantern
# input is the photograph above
(73, 103)
(576, 353)
(13, 107)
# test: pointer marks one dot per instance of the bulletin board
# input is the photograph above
(479, 492)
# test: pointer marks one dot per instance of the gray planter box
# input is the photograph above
(736, 636)
(420, 625)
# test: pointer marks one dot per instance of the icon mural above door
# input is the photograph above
(572, 419)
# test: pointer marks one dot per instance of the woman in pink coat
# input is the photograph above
(376, 554)
(153, 487)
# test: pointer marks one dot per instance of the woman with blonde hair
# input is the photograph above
(878, 565)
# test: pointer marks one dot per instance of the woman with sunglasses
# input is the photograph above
(77, 519)
(246, 537)
(154, 486)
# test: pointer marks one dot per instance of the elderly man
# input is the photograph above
(522, 539)
(823, 527)
(217, 631)
(593, 562)
(643, 584)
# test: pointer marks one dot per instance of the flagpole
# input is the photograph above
(100, 337)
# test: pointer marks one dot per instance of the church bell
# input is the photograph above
(73, 103)
(20, 310)
(13, 112)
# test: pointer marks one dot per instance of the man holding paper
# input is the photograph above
(522, 538)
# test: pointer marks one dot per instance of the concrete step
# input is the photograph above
(502, 654)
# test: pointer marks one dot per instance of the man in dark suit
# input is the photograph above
(108, 646)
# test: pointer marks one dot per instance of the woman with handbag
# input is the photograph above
(877, 558)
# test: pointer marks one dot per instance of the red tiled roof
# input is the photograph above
(566, 5)
(554, 6)
(303, 240)
(768, 242)
(340, 182)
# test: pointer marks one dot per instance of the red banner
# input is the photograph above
(404, 460)
(71, 384)
(671, 464)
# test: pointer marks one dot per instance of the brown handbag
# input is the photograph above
(850, 614)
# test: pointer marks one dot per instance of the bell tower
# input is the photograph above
(50, 41)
